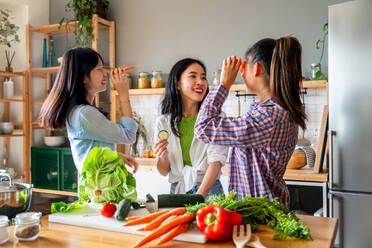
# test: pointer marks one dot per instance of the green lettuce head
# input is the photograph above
(105, 178)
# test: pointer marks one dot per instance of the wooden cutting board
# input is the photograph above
(90, 217)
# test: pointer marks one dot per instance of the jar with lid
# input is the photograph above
(156, 81)
(4, 229)
(143, 80)
(216, 77)
(27, 226)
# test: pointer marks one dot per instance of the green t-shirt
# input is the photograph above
(186, 131)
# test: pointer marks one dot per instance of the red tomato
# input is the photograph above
(108, 210)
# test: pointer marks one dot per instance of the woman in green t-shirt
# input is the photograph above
(192, 166)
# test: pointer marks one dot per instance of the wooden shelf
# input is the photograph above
(150, 91)
(46, 69)
(11, 100)
(234, 88)
(37, 103)
(69, 27)
(14, 134)
(12, 74)
(55, 192)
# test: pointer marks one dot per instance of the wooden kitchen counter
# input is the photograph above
(54, 235)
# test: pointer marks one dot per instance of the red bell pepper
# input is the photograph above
(216, 222)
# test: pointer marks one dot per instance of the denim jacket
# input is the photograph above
(89, 128)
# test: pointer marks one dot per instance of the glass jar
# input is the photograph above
(4, 229)
(314, 69)
(27, 226)
(216, 77)
(156, 81)
(148, 153)
(143, 80)
(129, 77)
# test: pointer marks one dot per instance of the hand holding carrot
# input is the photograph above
(230, 68)
(120, 83)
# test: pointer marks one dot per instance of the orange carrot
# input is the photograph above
(169, 219)
(156, 223)
(145, 219)
(164, 222)
(130, 218)
(173, 233)
(185, 218)
(128, 68)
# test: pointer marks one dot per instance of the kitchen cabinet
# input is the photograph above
(20, 129)
(53, 168)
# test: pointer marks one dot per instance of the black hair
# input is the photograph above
(282, 61)
(172, 104)
(68, 89)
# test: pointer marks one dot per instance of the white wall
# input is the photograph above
(34, 12)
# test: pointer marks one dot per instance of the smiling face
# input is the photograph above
(96, 82)
(193, 84)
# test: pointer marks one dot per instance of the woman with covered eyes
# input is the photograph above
(192, 166)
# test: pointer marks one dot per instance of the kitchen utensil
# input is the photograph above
(54, 140)
(297, 160)
(6, 127)
(255, 242)
(14, 197)
(241, 238)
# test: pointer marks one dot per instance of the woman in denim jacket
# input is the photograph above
(70, 105)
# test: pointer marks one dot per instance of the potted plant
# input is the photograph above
(141, 133)
(84, 9)
(8, 30)
(8, 35)
(320, 44)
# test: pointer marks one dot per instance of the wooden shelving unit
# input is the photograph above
(21, 130)
(45, 72)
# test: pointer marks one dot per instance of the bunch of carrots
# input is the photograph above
(168, 222)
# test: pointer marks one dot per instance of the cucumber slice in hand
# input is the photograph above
(163, 134)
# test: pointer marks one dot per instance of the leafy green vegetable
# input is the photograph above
(105, 178)
(260, 210)
(61, 207)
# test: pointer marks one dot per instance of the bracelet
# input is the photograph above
(125, 101)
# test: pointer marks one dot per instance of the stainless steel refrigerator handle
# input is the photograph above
(330, 135)
(330, 196)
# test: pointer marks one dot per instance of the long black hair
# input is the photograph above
(282, 61)
(68, 89)
(172, 103)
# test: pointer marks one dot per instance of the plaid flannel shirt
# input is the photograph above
(262, 142)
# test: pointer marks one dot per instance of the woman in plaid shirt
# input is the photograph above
(264, 138)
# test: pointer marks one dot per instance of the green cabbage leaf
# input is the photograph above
(105, 178)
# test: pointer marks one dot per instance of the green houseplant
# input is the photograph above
(141, 133)
(8, 30)
(320, 44)
(83, 10)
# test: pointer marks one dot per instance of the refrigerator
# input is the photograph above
(350, 121)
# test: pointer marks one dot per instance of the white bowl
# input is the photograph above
(54, 140)
(6, 127)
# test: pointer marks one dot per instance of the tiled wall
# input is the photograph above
(148, 107)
